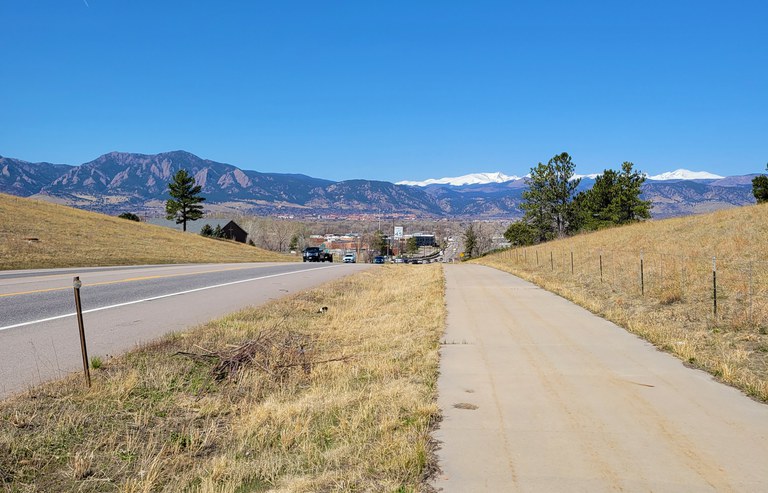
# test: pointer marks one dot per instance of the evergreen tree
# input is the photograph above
(184, 204)
(470, 240)
(548, 202)
(628, 207)
(411, 246)
(614, 199)
(206, 230)
(520, 233)
(760, 187)
(379, 243)
(536, 203)
(217, 232)
(563, 188)
(595, 206)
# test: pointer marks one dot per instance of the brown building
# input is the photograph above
(232, 231)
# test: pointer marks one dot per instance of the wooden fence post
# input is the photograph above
(601, 267)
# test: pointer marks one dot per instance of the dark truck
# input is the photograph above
(315, 254)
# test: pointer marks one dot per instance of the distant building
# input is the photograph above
(234, 232)
(231, 229)
(424, 240)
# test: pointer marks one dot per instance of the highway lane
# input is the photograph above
(27, 298)
(126, 306)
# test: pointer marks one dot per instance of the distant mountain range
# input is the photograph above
(127, 182)
(499, 177)
(471, 179)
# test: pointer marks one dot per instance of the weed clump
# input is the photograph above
(273, 352)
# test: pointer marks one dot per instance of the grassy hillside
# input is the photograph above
(40, 235)
(285, 397)
(695, 286)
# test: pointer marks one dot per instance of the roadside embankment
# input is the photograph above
(694, 286)
(41, 235)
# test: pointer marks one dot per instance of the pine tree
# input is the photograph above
(411, 246)
(548, 202)
(760, 187)
(595, 206)
(614, 199)
(628, 207)
(185, 198)
(536, 203)
(520, 233)
(379, 243)
(470, 240)
(563, 188)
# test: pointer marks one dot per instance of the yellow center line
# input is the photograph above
(130, 279)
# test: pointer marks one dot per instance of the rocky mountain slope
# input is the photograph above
(23, 179)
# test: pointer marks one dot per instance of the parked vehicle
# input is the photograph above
(350, 258)
(378, 260)
(316, 254)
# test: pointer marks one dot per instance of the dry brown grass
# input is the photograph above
(155, 420)
(37, 234)
(676, 309)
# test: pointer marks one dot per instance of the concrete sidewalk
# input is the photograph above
(539, 394)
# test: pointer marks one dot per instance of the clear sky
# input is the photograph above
(389, 90)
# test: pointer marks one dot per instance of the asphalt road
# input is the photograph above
(127, 306)
(539, 394)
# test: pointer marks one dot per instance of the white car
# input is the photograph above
(349, 258)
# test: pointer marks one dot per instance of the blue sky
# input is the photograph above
(389, 90)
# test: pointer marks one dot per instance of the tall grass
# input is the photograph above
(156, 420)
(37, 234)
(671, 302)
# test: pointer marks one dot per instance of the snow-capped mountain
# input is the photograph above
(684, 174)
(457, 181)
(591, 176)
(499, 177)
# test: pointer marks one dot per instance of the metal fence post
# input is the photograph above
(78, 307)
(714, 286)
(642, 277)
(751, 319)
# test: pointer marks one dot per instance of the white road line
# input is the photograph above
(164, 296)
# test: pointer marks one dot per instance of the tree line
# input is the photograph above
(554, 209)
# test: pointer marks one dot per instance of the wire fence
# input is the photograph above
(723, 291)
